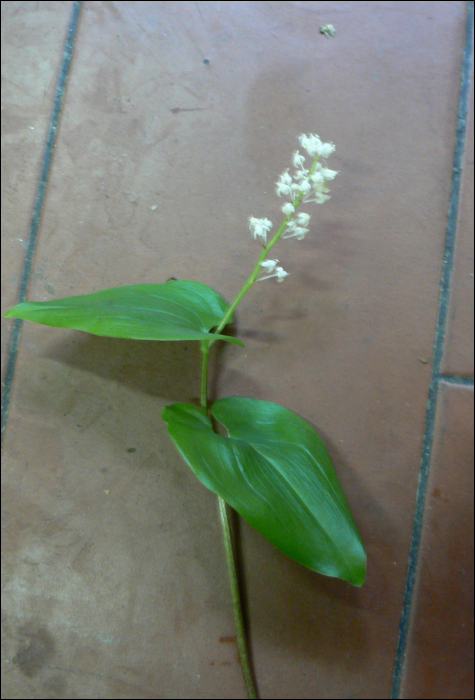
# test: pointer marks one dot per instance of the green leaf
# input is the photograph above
(175, 310)
(274, 470)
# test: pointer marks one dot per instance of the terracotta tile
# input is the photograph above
(439, 662)
(33, 35)
(458, 356)
(114, 573)
(101, 527)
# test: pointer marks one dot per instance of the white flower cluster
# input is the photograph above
(305, 186)
(313, 187)
(315, 147)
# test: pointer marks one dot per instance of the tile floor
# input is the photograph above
(175, 121)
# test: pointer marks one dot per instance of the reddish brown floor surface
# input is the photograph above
(176, 120)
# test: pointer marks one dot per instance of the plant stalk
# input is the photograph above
(236, 600)
(205, 345)
(229, 549)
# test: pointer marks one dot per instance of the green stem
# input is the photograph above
(236, 600)
(252, 277)
(230, 558)
(205, 345)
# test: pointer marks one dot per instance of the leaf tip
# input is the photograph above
(10, 313)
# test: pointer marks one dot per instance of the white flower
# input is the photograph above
(293, 229)
(269, 265)
(278, 272)
(259, 227)
(314, 146)
(319, 194)
(320, 198)
(317, 178)
(303, 219)
(326, 149)
(311, 143)
(288, 209)
(295, 190)
(298, 160)
(329, 174)
(284, 183)
(301, 174)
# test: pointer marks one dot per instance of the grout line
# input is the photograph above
(438, 348)
(460, 379)
(38, 208)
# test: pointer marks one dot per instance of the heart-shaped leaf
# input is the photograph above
(274, 470)
(175, 310)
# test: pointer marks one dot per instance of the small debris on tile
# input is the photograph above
(155, 206)
(177, 110)
(327, 29)
(107, 491)
(424, 360)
